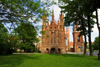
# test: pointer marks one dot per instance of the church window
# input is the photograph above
(58, 42)
(55, 33)
(65, 41)
(51, 33)
(47, 43)
(78, 39)
(61, 20)
(81, 47)
(55, 40)
(58, 33)
(51, 40)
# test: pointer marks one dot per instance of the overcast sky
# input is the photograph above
(57, 13)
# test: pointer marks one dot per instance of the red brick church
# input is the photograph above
(56, 38)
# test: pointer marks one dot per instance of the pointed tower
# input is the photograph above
(52, 15)
(44, 22)
(61, 19)
(48, 25)
(58, 24)
(53, 21)
(77, 24)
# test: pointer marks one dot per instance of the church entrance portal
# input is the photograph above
(47, 50)
(53, 51)
(59, 50)
(79, 50)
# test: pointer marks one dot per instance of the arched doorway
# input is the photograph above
(53, 51)
(47, 50)
(79, 50)
(59, 50)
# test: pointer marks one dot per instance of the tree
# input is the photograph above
(96, 6)
(76, 11)
(95, 44)
(27, 35)
(6, 44)
(92, 6)
(15, 11)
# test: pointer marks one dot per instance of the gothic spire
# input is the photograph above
(52, 14)
(61, 16)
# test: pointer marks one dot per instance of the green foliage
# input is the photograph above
(7, 43)
(75, 11)
(96, 44)
(19, 9)
(81, 11)
(47, 36)
(43, 32)
(87, 46)
(27, 35)
(3, 40)
(26, 46)
(14, 12)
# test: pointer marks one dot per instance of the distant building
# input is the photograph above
(71, 48)
(39, 44)
(78, 43)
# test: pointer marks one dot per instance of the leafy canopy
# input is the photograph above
(96, 44)
(27, 35)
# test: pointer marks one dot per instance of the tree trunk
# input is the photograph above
(83, 27)
(85, 45)
(89, 36)
(99, 46)
(99, 33)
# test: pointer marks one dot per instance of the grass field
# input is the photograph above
(49, 60)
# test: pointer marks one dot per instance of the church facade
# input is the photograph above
(55, 38)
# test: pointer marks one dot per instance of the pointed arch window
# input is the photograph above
(51, 40)
(61, 20)
(58, 33)
(65, 41)
(55, 33)
(54, 40)
(51, 33)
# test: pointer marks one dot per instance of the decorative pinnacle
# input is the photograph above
(52, 14)
(77, 24)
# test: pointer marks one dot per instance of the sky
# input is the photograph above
(57, 13)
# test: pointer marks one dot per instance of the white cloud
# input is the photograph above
(95, 33)
(50, 0)
(95, 29)
(56, 12)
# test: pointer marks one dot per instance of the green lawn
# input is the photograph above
(49, 60)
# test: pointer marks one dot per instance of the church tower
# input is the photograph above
(77, 40)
